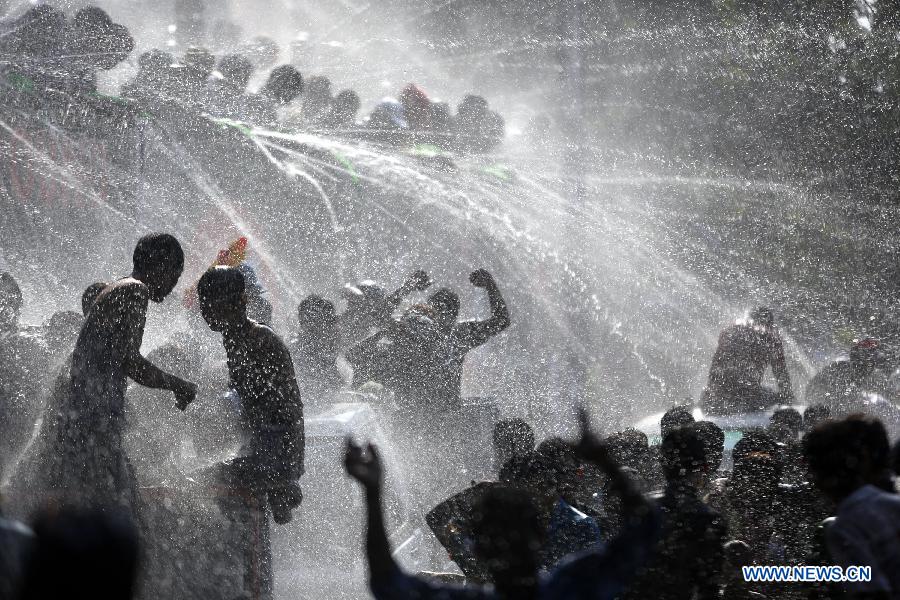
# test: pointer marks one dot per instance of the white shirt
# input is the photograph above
(867, 533)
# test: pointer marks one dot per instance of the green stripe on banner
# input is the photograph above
(345, 162)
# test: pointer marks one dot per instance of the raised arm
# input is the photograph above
(365, 467)
(475, 333)
(592, 449)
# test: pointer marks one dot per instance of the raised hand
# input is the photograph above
(589, 445)
(363, 466)
(481, 278)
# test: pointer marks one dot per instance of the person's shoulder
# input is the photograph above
(265, 336)
(128, 288)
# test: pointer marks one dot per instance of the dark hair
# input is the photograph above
(839, 448)
(446, 298)
(284, 84)
(762, 315)
(713, 441)
(513, 437)
(92, 16)
(90, 295)
(738, 552)
(629, 447)
(676, 416)
(319, 84)
(815, 414)
(220, 284)
(789, 417)
(236, 69)
(683, 452)
(317, 307)
(349, 99)
(157, 252)
(82, 553)
(10, 287)
(755, 442)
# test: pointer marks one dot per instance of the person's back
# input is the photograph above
(103, 344)
(866, 532)
(743, 354)
(832, 385)
(841, 385)
(745, 351)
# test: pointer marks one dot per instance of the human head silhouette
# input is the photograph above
(223, 302)
(158, 262)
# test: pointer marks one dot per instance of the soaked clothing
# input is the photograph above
(601, 573)
(867, 532)
(744, 353)
(262, 374)
(687, 561)
(569, 531)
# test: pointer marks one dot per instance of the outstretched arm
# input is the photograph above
(365, 467)
(131, 307)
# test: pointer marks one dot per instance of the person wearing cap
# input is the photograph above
(746, 350)
(838, 385)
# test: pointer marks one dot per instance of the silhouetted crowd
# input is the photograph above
(631, 515)
(676, 511)
(50, 59)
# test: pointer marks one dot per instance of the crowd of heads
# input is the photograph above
(53, 53)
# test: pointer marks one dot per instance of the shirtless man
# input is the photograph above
(746, 349)
(262, 374)
(85, 457)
